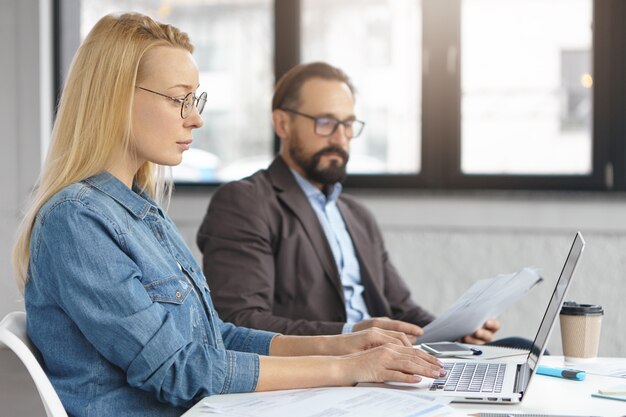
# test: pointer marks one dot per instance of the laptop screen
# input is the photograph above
(554, 306)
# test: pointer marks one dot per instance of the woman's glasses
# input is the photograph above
(186, 103)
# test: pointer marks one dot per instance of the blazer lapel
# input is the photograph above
(360, 239)
(292, 196)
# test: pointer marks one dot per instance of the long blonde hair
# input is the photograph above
(94, 116)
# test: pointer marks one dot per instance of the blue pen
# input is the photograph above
(572, 374)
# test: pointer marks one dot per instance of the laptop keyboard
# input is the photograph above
(471, 377)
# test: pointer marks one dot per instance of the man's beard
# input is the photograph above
(335, 172)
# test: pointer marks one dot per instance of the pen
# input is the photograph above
(476, 351)
(572, 374)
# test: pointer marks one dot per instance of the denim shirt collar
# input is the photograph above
(314, 193)
(136, 201)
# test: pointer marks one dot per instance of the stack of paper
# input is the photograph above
(328, 402)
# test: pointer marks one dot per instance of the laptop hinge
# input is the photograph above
(523, 375)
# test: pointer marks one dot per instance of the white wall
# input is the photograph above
(25, 106)
(439, 241)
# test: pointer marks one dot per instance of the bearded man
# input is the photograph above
(285, 250)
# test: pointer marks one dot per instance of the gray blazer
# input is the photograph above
(269, 265)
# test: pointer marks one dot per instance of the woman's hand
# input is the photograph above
(336, 345)
(362, 340)
(411, 330)
(390, 362)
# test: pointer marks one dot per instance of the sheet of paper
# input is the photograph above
(327, 402)
(484, 300)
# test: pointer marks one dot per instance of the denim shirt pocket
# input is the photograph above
(174, 294)
(172, 290)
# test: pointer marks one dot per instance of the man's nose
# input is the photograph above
(339, 136)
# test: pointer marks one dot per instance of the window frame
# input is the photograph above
(441, 99)
(454, 178)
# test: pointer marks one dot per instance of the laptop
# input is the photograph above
(484, 381)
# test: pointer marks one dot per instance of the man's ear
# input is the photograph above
(281, 122)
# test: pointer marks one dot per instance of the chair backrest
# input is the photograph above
(13, 335)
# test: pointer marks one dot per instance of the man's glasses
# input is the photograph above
(327, 126)
(186, 103)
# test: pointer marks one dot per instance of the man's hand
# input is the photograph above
(411, 330)
(484, 334)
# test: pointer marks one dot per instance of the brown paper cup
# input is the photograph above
(580, 330)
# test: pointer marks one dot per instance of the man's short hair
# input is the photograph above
(287, 90)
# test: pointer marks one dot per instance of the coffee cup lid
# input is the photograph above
(572, 308)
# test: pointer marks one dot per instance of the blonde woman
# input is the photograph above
(115, 302)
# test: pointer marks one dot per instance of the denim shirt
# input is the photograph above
(121, 312)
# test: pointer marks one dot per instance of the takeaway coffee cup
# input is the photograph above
(580, 330)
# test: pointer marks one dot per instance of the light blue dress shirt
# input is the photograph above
(341, 245)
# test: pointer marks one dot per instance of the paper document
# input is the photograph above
(326, 402)
(486, 299)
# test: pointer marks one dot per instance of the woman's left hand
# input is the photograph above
(344, 344)
(336, 345)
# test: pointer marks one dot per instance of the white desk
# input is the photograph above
(559, 396)
(545, 395)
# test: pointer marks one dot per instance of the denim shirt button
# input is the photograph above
(178, 294)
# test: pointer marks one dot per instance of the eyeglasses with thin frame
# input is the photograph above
(327, 125)
(186, 103)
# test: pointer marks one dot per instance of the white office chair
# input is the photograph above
(13, 335)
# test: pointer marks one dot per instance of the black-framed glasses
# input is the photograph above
(186, 103)
(327, 125)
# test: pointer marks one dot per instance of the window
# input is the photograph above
(377, 43)
(455, 93)
(526, 92)
(236, 138)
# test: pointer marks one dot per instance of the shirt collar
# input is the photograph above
(137, 201)
(312, 192)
